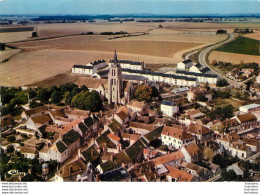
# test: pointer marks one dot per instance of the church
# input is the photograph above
(117, 89)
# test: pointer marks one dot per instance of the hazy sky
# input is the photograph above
(129, 6)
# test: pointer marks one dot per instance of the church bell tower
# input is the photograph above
(115, 83)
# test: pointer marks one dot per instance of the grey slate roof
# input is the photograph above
(196, 74)
(127, 62)
(145, 72)
(83, 66)
(168, 103)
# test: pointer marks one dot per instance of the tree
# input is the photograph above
(229, 176)
(67, 98)
(201, 97)
(208, 154)
(214, 63)
(2, 46)
(34, 104)
(155, 92)
(75, 91)
(143, 93)
(92, 103)
(84, 88)
(56, 97)
(43, 95)
(87, 101)
(222, 83)
(11, 139)
(34, 34)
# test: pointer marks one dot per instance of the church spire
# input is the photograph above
(115, 58)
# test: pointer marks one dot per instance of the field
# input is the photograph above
(242, 45)
(43, 59)
(223, 102)
(233, 57)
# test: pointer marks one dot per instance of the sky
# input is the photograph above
(100, 7)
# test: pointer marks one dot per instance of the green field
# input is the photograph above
(242, 45)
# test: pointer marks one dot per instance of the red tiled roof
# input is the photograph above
(176, 133)
(179, 175)
(113, 137)
(149, 127)
(168, 158)
(246, 117)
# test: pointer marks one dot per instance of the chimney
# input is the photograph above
(97, 177)
(112, 158)
(79, 153)
(70, 170)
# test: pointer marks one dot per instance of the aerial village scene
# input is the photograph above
(129, 98)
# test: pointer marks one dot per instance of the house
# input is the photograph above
(201, 132)
(141, 128)
(27, 152)
(246, 121)
(196, 68)
(90, 155)
(253, 144)
(227, 139)
(70, 170)
(235, 167)
(59, 117)
(120, 175)
(240, 150)
(34, 111)
(215, 169)
(149, 153)
(90, 68)
(135, 151)
(247, 72)
(76, 114)
(63, 147)
(184, 65)
(199, 93)
(169, 108)
(258, 79)
(144, 172)
(7, 121)
(38, 120)
(176, 137)
(181, 91)
(136, 106)
(145, 119)
(160, 121)
(121, 117)
(176, 175)
(115, 139)
(132, 138)
(222, 127)
(192, 153)
(172, 159)
(199, 172)
(113, 126)
(249, 108)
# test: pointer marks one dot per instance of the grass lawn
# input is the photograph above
(242, 45)
(227, 101)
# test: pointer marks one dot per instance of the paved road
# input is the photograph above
(203, 54)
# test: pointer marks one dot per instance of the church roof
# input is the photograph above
(133, 77)
(92, 82)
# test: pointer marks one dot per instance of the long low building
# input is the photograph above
(126, 64)
(166, 78)
(203, 78)
(90, 68)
